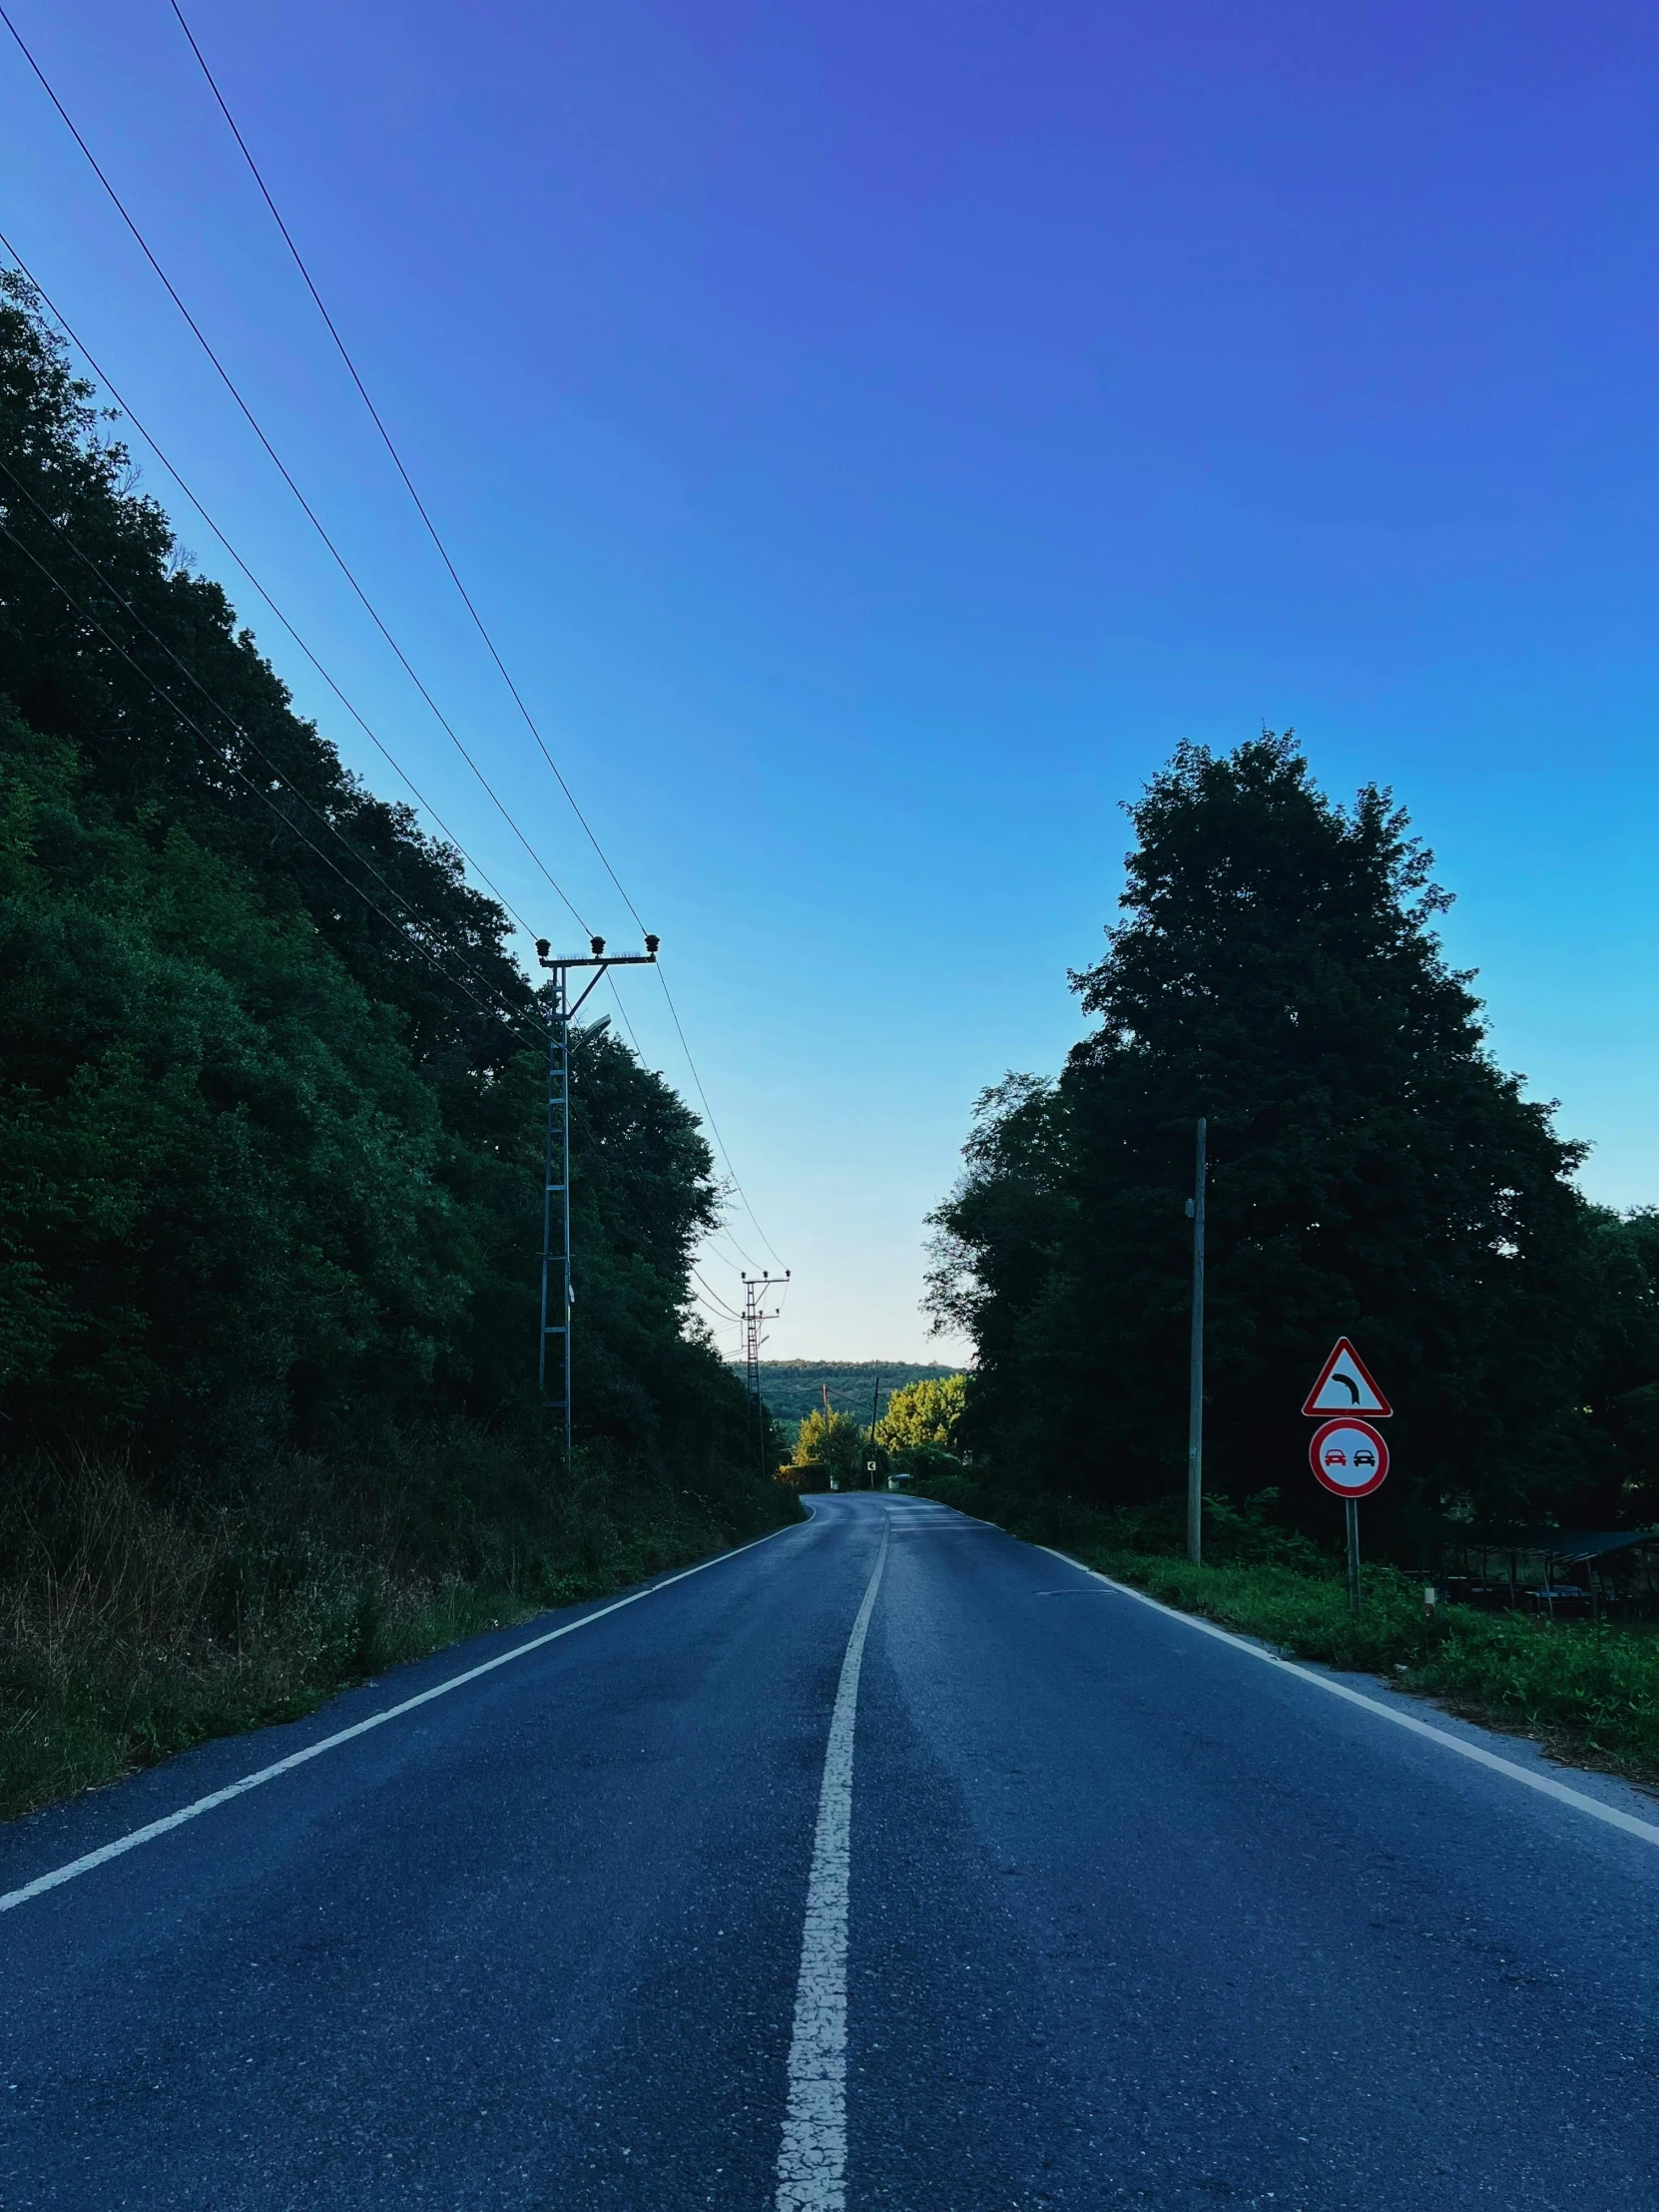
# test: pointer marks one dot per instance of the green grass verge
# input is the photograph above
(1588, 1694)
(1584, 1691)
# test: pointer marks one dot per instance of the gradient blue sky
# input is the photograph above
(879, 434)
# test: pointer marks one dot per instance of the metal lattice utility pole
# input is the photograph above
(1195, 1378)
(557, 1291)
(754, 1290)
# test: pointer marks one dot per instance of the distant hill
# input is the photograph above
(793, 1388)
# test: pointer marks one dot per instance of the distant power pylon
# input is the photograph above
(558, 1294)
(754, 1288)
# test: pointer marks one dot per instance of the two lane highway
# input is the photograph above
(888, 1863)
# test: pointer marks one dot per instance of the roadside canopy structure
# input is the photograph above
(1575, 1547)
(1558, 1571)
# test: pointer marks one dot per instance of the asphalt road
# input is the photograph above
(1126, 1917)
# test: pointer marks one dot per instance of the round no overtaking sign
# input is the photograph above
(1349, 1456)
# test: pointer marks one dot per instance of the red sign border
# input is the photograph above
(1349, 1420)
(1382, 1410)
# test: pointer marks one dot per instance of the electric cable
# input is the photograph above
(397, 459)
(740, 1263)
(715, 1296)
(707, 1299)
(281, 466)
(237, 728)
(433, 533)
(195, 498)
(195, 501)
(623, 1014)
(709, 1319)
(344, 566)
(499, 1010)
(709, 1110)
(219, 708)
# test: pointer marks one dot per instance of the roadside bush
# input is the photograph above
(927, 1462)
(959, 1490)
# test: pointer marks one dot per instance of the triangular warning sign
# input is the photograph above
(1345, 1386)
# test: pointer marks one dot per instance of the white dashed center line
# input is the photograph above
(812, 2164)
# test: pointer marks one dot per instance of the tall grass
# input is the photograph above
(134, 1622)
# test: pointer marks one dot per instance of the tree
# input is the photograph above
(925, 1413)
(835, 1441)
(1375, 1173)
(270, 1081)
(1621, 1391)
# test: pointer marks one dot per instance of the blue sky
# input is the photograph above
(879, 435)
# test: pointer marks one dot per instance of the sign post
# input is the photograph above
(1346, 1453)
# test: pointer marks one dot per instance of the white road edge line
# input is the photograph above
(1646, 1831)
(811, 2164)
(147, 1835)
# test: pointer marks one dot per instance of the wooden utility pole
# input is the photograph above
(1195, 1378)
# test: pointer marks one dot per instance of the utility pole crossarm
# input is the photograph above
(754, 1288)
(558, 1294)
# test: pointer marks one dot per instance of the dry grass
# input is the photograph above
(133, 1624)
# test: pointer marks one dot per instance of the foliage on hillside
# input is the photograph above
(793, 1388)
(270, 1096)
(1373, 1173)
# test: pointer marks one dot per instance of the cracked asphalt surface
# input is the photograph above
(1136, 1922)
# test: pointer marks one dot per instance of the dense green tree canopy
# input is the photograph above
(271, 1083)
(924, 1413)
(832, 1440)
(1373, 1173)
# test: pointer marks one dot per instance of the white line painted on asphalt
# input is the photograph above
(148, 1835)
(812, 2164)
(1545, 1785)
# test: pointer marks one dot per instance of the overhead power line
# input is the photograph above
(713, 1297)
(339, 559)
(218, 705)
(282, 470)
(498, 1009)
(387, 440)
(743, 1259)
(444, 553)
(714, 1127)
(195, 501)
(131, 414)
